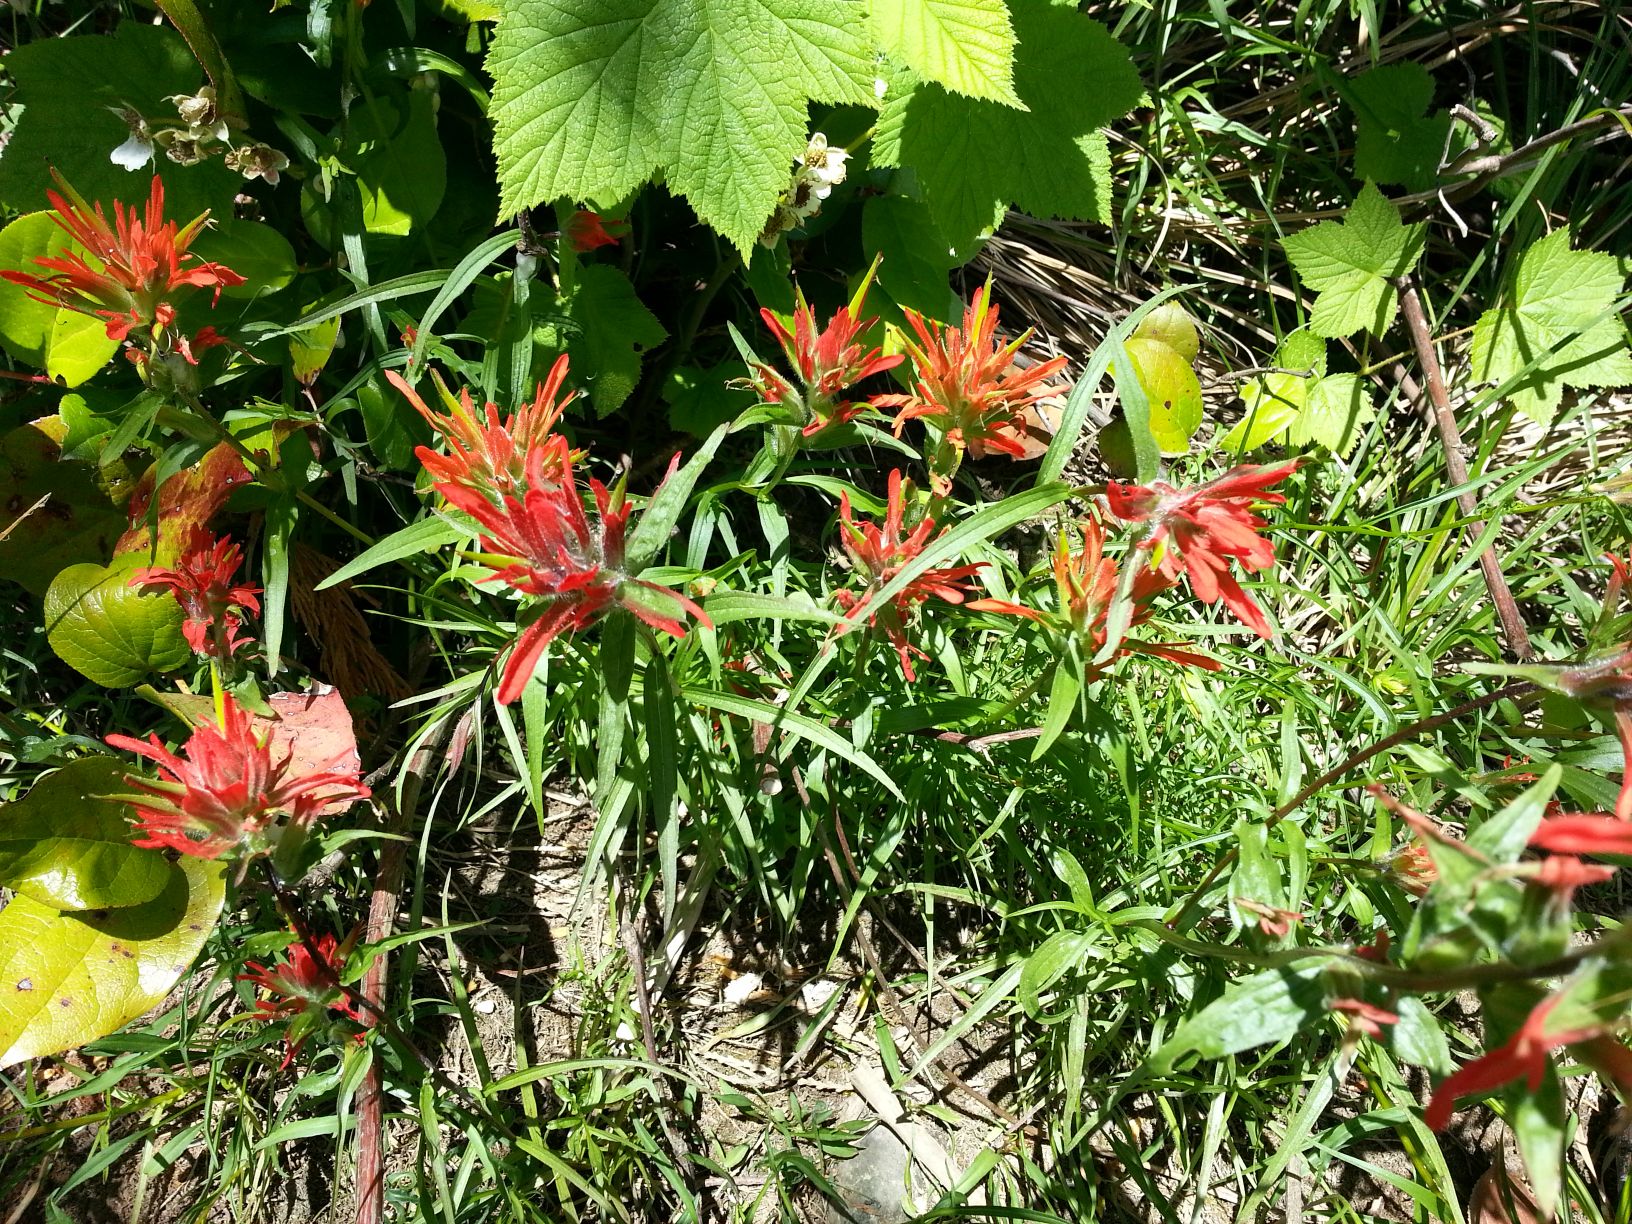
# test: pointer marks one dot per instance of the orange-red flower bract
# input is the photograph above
(1583, 833)
(550, 550)
(587, 230)
(879, 553)
(202, 585)
(968, 376)
(143, 263)
(1085, 584)
(1199, 530)
(1522, 1056)
(827, 362)
(1365, 1017)
(493, 456)
(302, 987)
(224, 793)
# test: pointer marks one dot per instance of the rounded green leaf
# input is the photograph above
(1172, 325)
(77, 519)
(257, 252)
(65, 846)
(1173, 390)
(107, 631)
(66, 344)
(66, 979)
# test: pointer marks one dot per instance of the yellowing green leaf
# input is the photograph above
(1339, 406)
(975, 157)
(107, 631)
(66, 847)
(1172, 325)
(66, 979)
(1560, 310)
(1350, 264)
(1173, 391)
(77, 522)
(591, 99)
(965, 45)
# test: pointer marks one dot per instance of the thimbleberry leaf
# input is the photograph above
(1396, 141)
(1559, 307)
(965, 45)
(1350, 265)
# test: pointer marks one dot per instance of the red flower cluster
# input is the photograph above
(879, 553)
(1198, 531)
(968, 376)
(143, 264)
(493, 456)
(827, 361)
(303, 991)
(202, 585)
(1523, 1056)
(516, 480)
(225, 794)
(1085, 583)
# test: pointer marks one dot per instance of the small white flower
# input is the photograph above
(825, 164)
(137, 149)
(880, 86)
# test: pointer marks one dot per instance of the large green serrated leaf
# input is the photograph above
(590, 100)
(107, 631)
(965, 45)
(974, 157)
(66, 847)
(1350, 264)
(614, 330)
(1339, 407)
(66, 979)
(1396, 140)
(1555, 294)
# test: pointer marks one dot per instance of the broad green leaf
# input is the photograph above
(917, 259)
(77, 522)
(1562, 299)
(66, 344)
(400, 164)
(975, 157)
(427, 535)
(965, 45)
(1173, 392)
(257, 252)
(1350, 263)
(1503, 836)
(66, 979)
(310, 350)
(72, 89)
(1417, 1038)
(1266, 1007)
(701, 400)
(107, 631)
(591, 100)
(1172, 325)
(66, 847)
(1273, 402)
(1339, 407)
(614, 329)
(1396, 140)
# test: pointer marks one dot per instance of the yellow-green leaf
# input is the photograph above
(66, 979)
(109, 632)
(1173, 390)
(65, 846)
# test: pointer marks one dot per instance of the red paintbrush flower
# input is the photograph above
(226, 794)
(968, 377)
(202, 584)
(545, 546)
(1085, 585)
(1583, 833)
(1365, 1017)
(141, 263)
(879, 553)
(1197, 531)
(493, 456)
(1523, 1056)
(587, 230)
(1272, 920)
(303, 991)
(827, 362)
